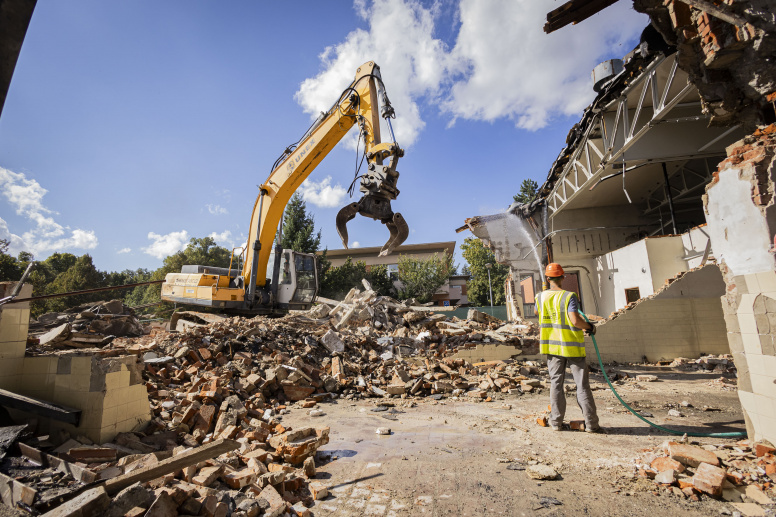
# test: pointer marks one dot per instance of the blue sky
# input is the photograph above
(131, 127)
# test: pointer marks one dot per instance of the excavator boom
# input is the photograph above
(362, 104)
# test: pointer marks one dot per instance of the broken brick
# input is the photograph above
(690, 455)
(709, 479)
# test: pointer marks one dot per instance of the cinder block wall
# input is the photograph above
(663, 329)
(109, 391)
(741, 218)
(684, 319)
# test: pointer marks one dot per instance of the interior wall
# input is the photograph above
(625, 268)
(684, 320)
(665, 259)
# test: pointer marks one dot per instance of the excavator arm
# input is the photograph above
(357, 105)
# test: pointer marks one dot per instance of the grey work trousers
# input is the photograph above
(557, 368)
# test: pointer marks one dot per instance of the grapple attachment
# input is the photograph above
(375, 207)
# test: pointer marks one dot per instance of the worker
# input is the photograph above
(563, 340)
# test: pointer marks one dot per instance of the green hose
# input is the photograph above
(737, 434)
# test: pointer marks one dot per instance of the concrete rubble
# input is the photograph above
(86, 326)
(231, 381)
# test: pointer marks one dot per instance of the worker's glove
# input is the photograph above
(590, 332)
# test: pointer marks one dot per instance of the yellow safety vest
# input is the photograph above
(558, 336)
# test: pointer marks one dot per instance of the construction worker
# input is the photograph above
(563, 340)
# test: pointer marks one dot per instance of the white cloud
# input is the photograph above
(216, 209)
(502, 65)
(223, 239)
(323, 194)
(355, 244)
(166, 245)
(26, 196)
(123, 250)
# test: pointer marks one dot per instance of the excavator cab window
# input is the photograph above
(305, 278)
(285, 269)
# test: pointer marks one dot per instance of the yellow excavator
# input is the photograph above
(294, 280)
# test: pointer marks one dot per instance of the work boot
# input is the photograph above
(597, 429)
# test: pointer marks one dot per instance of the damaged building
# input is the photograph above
(660, 207)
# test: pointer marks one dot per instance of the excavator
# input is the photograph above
(293, 283)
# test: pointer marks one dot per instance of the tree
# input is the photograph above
(477, 256)
(9, 266)
(299, 228)
(420, 278)
(80, 276)
(528, 189)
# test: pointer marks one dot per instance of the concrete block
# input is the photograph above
(79, 382)
(751, 341)
(752, 283)
(11, 316)
(81, 365)
(109, 417)
(766, 281)
(118, 379)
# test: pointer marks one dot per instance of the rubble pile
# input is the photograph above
(227, 383)
(741, 473)
(86, 326)
(364, 346)
(239, 470)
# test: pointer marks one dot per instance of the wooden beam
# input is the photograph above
(170, 465)
(40, 407)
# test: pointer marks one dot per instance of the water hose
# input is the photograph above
(736, 434)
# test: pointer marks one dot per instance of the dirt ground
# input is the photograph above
(456, 457)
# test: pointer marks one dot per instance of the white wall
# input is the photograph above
(666, 259)
(622, 269)
(737, 229)
(694, 243)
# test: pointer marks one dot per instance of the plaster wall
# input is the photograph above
(739, 233)
(665, 259)
(625, 268)
(739, 211)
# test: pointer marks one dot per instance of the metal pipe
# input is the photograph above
(669, 197)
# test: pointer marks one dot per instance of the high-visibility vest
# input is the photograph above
(558, 336)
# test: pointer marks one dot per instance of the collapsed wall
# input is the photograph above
(742, 224)
(109, 391)
(683, 319)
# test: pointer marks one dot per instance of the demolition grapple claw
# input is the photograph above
(379, 188)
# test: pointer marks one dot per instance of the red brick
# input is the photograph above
(690, 455)
(761, 450)
(577, 425)
(709, 479)
(661, 464)
(542, 421)
(241, 478)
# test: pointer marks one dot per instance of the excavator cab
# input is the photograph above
(297, 280)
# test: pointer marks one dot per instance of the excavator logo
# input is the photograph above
(293, 162)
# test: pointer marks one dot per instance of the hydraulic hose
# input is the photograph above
(736, 434)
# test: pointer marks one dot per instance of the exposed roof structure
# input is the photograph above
(574, 12)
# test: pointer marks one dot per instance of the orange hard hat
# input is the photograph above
(553, 270)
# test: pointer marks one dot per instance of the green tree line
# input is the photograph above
(66, 272)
